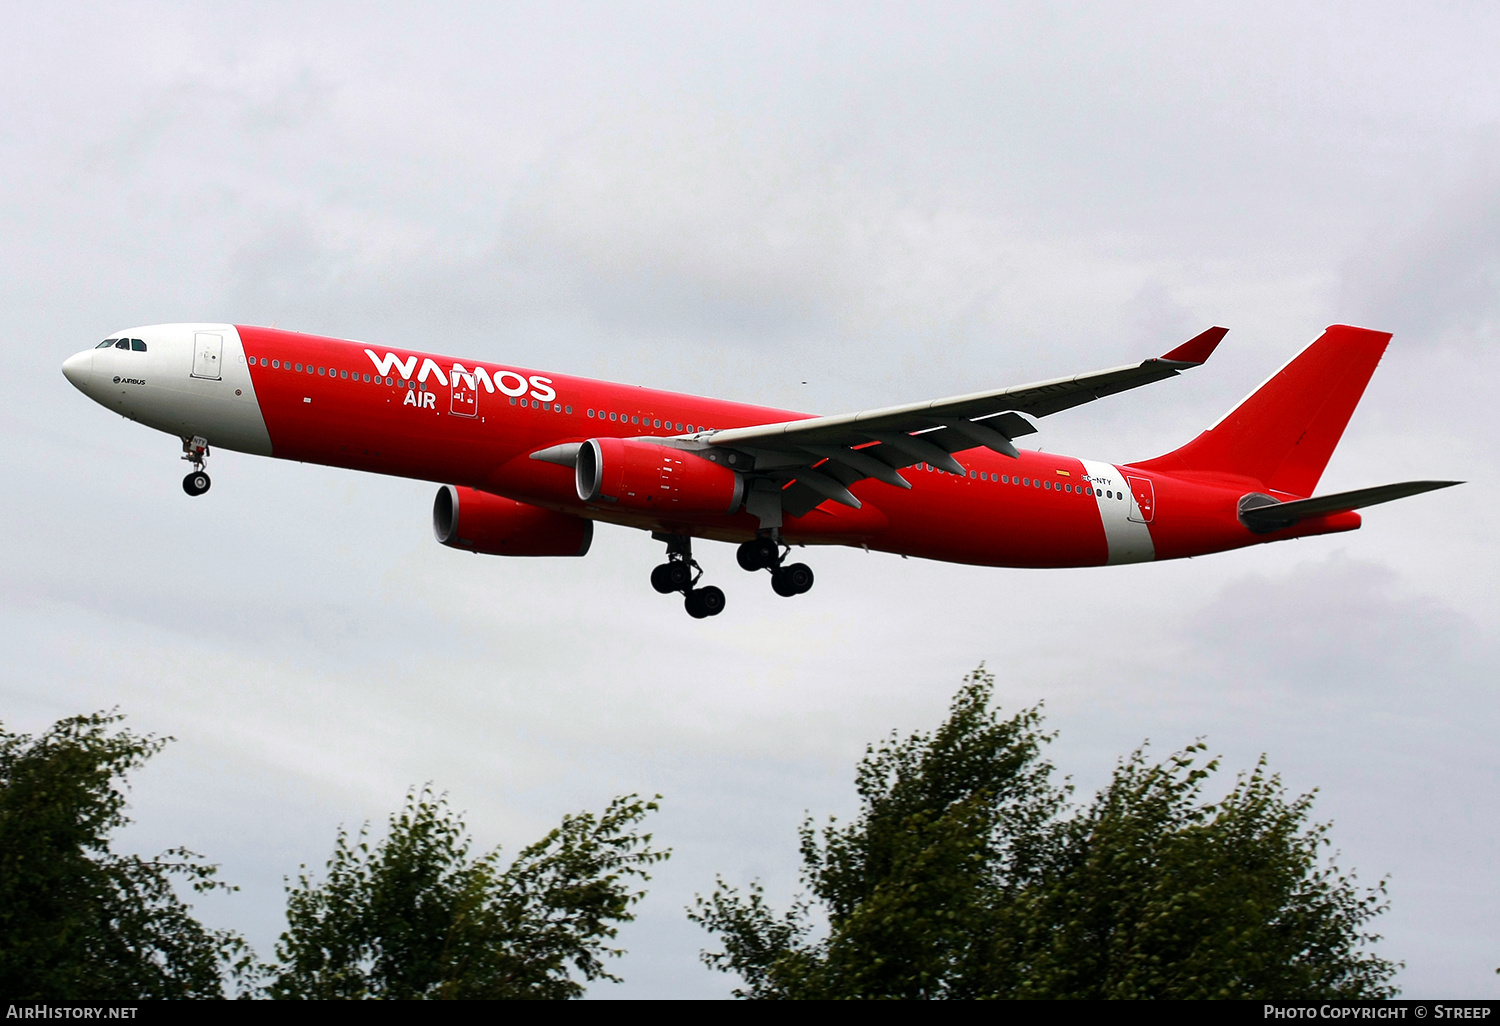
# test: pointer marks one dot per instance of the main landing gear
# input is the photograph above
(682, 573)
(765, 552)
(195, 451)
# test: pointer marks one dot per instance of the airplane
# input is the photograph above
(940, 479)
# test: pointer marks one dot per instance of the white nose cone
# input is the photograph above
(78, 368)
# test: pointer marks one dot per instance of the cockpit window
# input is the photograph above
(106, 343)
(124, 343)
(137, 346)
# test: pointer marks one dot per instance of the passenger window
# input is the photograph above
(106, 344)
(343, 374)
(137, 346)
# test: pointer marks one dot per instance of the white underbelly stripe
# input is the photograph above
(1129, 541)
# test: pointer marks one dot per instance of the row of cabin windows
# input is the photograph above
(537, 404)
(651, 422)
(133, 345)
(277, 364)
(1036, 482)
(332, 372)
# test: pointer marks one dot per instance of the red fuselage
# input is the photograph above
(348, 404)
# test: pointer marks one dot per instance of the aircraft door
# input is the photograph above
(465, 392)
(208, 352)
(1144, 506)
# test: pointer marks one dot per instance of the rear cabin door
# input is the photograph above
(208, 353)
(1144, 506)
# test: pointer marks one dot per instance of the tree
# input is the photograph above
(968, 873)
(415, 917)
(77, 921)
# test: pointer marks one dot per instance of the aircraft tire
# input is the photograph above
(756, 554)
(661, 579)
(196, 483)
(747, 557)
(710, 600)
(693, 603)
(801, 577)
(781, 584)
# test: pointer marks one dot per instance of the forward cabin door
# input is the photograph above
(208, 352)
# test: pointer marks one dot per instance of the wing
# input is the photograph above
(825, 455)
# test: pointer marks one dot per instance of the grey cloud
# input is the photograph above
(1338, 623)
(1437, 280)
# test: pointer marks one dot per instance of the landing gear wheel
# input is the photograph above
(757, 554)
(196, 483)
(670, 577)
(661, 579)
(792, 580)
(701, 602)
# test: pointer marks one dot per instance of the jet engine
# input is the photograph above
(463, 518)
(655, 478)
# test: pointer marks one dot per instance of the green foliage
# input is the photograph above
(1155, 893)
(78, 922)
(416, 917)
(968, 874)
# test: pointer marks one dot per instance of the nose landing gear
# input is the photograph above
(682, 573)
(195, 451)
(764, 552)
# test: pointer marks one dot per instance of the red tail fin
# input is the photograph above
(1284, 433)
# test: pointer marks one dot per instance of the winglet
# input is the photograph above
(1199, 348)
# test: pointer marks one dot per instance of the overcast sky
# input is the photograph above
(887, 203)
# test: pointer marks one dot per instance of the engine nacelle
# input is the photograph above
(655, 478)
(463, 518)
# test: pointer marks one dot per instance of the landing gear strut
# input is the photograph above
(765, 552)
(195, 451)
(682, 573)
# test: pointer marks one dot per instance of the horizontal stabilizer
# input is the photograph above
(1263, 514)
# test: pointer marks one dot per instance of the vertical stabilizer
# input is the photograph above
(1285, 432)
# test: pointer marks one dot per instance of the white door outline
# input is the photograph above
(464, 396)
(208, 349)
(1143, 500)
